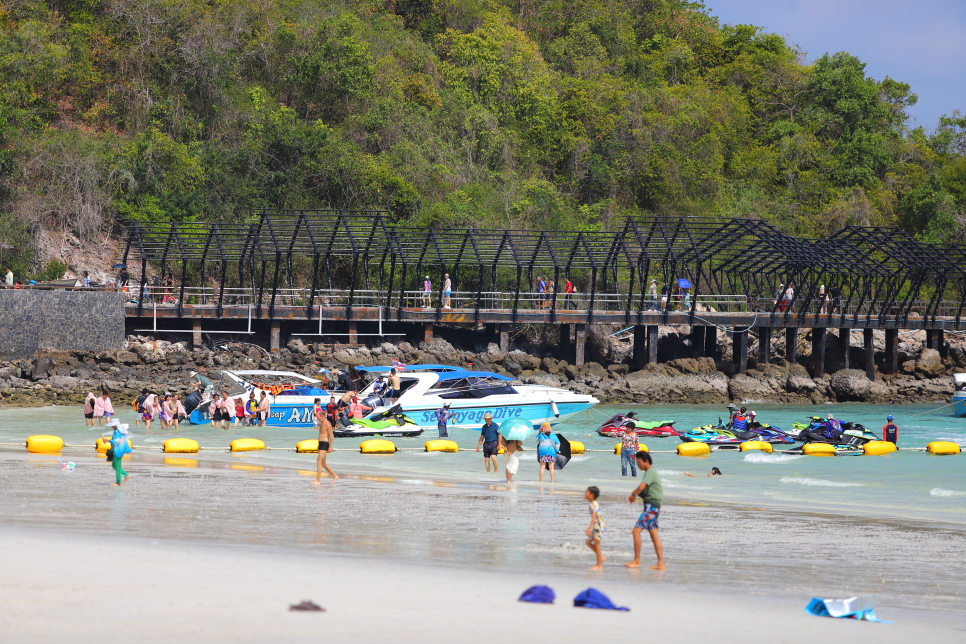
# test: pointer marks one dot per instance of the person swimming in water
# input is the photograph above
(714, 472)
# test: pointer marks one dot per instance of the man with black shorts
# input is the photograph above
(326, 441)
(332, 410)
(651, 494)
(489, 441)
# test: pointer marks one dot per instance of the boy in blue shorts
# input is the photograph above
(651, 494)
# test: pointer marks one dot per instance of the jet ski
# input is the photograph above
(772, 435)
(660, 429)
(846, 435)
(615, 426)
(390, 423)
(718, 435)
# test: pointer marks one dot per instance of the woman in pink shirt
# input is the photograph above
(357, 409)
(89, 409)
(152, 409)
(103, 409)
(226, 409)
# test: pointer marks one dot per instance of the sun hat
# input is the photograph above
(446, 404)
(488, 415)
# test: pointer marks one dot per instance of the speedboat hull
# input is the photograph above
(469, 415)
(959, 406)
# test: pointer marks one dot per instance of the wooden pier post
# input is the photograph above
(566, 343)
(275, 337)
(818, 352)
(354, 332)
(764, 344)
(196, 334)
(504, 337)
(845, 340)
(867, 340)
(652, 344)
(740, 350)
(711, 342)
(427, 331)
(640, 346)
(581, 341)
(791, 345)
(891, 351)
(697, 340)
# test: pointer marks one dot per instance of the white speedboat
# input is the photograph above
(426, 388)
(291, 396)
(958, 400)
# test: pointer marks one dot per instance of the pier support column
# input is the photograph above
(764, 344)
(791, 345)
(845, 340)
(891, 351)
(697, 340)
(739, 350)
(932, 339)
(940, 339)
(867, 337)
(818, 352)
(504, 337)
(581, 342)
(427, 331)
(196, 334)
(640, 346)
(275, 337)
(353, 332)
(652, 344)
(566, 344)
(711, 342)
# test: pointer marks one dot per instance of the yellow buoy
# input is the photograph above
(694, 449)
(818, 449)
(617, 448)
(180, 446)
(943, 447)
(441, 446)
(759, 445)
(45, 444)
(377, 446)
(102, 444)
(876, 448)
(308, 446)
(246, 445)
(576, 447)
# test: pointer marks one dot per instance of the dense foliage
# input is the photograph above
(526, 113)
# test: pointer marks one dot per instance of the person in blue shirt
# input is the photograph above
(489, 442)
(120, 445)
(548, 445)
(443, 416)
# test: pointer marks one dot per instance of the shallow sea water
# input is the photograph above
(774, 524)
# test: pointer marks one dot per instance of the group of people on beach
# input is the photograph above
(226, 412)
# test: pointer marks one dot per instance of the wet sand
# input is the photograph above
(81, 589)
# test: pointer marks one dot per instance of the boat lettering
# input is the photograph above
(476, 415)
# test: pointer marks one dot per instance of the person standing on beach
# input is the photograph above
(139, 405)
(326, 442)
(596, 528)
(443, 416)
(890, 431)
(332, 410)
(489, 441)
(103, 409)
(317, 413)
(89, 409)
(548, 446)
(264, 409)
(120, 445)
(651, 494)
(630, 446)
(512, 460)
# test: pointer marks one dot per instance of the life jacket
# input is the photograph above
(251, 406)
(740, 423)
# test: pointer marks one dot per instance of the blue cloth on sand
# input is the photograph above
(538, 595)
(858, 608)
(593, 598)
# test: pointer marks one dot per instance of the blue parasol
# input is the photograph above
(683, 283)
(516, 429)
(119, 266)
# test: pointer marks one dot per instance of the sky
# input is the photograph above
(920, 42)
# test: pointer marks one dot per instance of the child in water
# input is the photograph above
(596, 528)
(714, 472)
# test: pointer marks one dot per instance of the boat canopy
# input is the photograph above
(413, 367)
(959, 378)
(278, 374)
(472, 374)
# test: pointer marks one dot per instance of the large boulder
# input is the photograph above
(525, 360)
(743, 387)
(850, 385)
(694, 366)
(930, 363)
(542, 378)
(297, 347)
(799, 385)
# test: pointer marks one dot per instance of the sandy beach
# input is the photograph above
(58, 588)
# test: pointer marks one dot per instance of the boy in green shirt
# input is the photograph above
(651, 494)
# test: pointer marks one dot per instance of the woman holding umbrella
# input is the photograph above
(548, 446)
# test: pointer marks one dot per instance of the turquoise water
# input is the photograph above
(911, 485)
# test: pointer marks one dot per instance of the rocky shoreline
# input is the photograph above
(65, 377)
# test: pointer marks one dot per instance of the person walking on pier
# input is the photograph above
(890, 431)
(427, 293)
(569, 295)
(652, 295)
(447, 292)
(541, 290)
(489, 442)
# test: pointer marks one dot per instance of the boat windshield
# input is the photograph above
(471, 387)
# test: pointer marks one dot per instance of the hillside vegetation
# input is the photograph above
(471, 113)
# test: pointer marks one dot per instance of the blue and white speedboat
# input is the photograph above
(959, 395)
(470, 394)
(291, 396)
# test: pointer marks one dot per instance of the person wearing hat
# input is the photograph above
(890, 431)
(489, 442)
(443, 416)
(732, 412)
(427, 293)
(120, 445)
(652, 294)
(833, 424)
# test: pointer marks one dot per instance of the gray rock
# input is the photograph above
(850, 385)
(930, 363)
(799, 385)
(743, 387)
(542, 378)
